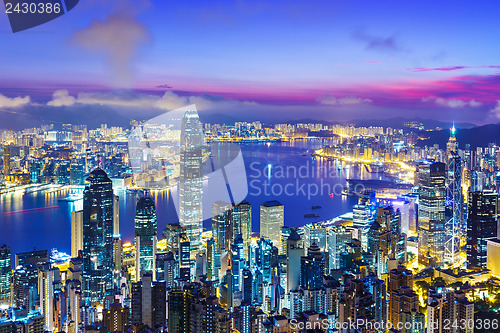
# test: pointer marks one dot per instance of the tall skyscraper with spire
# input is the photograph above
(145, 237)
(97, 236)
(454, 226)
(190, 178)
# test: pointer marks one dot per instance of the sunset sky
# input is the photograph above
(278, 59)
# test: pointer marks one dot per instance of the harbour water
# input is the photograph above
(283, 171)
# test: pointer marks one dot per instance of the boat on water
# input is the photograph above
(73, 196)
(58, 257)
(316, 207)
(310, 215)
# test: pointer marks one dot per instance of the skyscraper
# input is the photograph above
(221, 229)
(145, 237)
(6, 160)
(431, 213)
(190, 178)
(338, 238)
(76, 232)
(272, 214)
(481, 226)
(97, 236)
(5, 271)
(294, 253)
(454, 226)
(362, 215)
(312, 268)
(241, 221)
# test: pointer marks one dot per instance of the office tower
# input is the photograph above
(378, 290)
(247, 286)
(272, 214)
(184, 258)
(117, 253)
(221, 225)
(49, 278)
(238, 263)
(285, 233)
(241, 220)
(315, 233)
(386, 243)
(294, 253)
(148, 302)
(115, 318)
(5, 272)
(36, 257)
(431, 213)
(76, 233)
(244, 317)
(179, 308)
(76, 172)
(454, 226)
(212, 271)
(172, 233)
(20, 288)
(190, 179)
(35, 169)
(6, 160)
(116, 215)
(337, 238)
(262, 255)
(481, 226)
(166, 268)
(97, 236)
(63, 173)
(362, 216)
(312, 268)
(202, 317)
(145, 237)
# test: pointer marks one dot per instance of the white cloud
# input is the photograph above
(329, 99)
(496, 110)
(130, 99)
(6, 102)
(452, 103)
(61, 97)
(171, 101)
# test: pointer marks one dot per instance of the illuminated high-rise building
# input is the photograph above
(221, 229)
(5, 272)
(241, 222)
(98, 263)
(363, 215)
(431, 213)
(272, 215)
(145, 237)
(6, 160)
(190, 178)
(337, 238)
(454, 226)
(481, 226)
(312, 268)
(76, 233)
(294, 253)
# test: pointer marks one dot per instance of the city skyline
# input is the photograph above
(251, 166)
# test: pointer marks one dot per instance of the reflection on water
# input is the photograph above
(40, 220)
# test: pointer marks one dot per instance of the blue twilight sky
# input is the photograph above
(330, 59)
